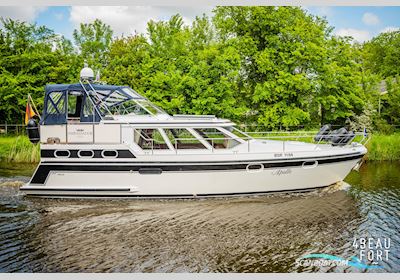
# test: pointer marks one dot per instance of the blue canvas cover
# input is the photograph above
(56, 100)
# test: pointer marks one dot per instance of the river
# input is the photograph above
(273, 233)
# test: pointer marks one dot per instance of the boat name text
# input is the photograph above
(279, 172)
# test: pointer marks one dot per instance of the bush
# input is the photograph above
(382, 127)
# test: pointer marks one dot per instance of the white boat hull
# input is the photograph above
(120, 180)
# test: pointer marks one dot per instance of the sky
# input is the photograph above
(362, 23)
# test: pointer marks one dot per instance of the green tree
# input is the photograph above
(294, 71)
(93, 41)
(180, 68)
(381, 57)
(338, 83)
(29, 59)
(382, 54)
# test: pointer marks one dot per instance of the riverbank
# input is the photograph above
(18, 149)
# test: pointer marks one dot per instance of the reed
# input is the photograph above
(384, 147)
(5, 146)
(21, 150)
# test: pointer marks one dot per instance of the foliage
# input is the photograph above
(93, 41)
(364, 120)
(30, 57)
(271, 66)
(182, 69)
(383, 54)
(391, 101)
(294, 71)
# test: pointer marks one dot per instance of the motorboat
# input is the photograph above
(99, 140)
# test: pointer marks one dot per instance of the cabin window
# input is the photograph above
(62, 153)
(56, 103)
(217, 138)
(149, 139)
(85, 153)
(109, 154)
(181, 138)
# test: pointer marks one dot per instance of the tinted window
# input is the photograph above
(110, 153)
(62, 153)
(181, 138)
(148, 139)
(217, 138)
(86, 153)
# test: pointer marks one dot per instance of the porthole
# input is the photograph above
(85, 154)
(62, 153)
(109, 154)
(255, 167)
(309, 164)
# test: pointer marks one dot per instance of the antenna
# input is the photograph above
(86, 73)
(98, 76)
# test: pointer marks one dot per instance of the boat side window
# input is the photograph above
(56, 104)
(217, 138)
(181, 138)
(150, 138)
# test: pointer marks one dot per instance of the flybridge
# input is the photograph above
(92, 103)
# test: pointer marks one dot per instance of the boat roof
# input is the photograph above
(129, 93)
(78, 86)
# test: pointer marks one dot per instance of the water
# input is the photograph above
(257, 234)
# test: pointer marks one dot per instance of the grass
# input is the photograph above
(384, 147)
(5, 145)
(19, 149)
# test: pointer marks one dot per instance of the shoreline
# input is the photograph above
(18, 149)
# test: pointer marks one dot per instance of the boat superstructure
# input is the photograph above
(109, 141)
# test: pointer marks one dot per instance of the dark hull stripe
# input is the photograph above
(177, 196)
(44, 169)
(153, 163)
(81, 190)
(46, 153)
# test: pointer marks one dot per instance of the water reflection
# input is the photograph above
(259, 234)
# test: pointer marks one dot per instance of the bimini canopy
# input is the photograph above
(104, 100)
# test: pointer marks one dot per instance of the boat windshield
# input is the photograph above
(136, 107)
(235, 130)
(124, 101)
